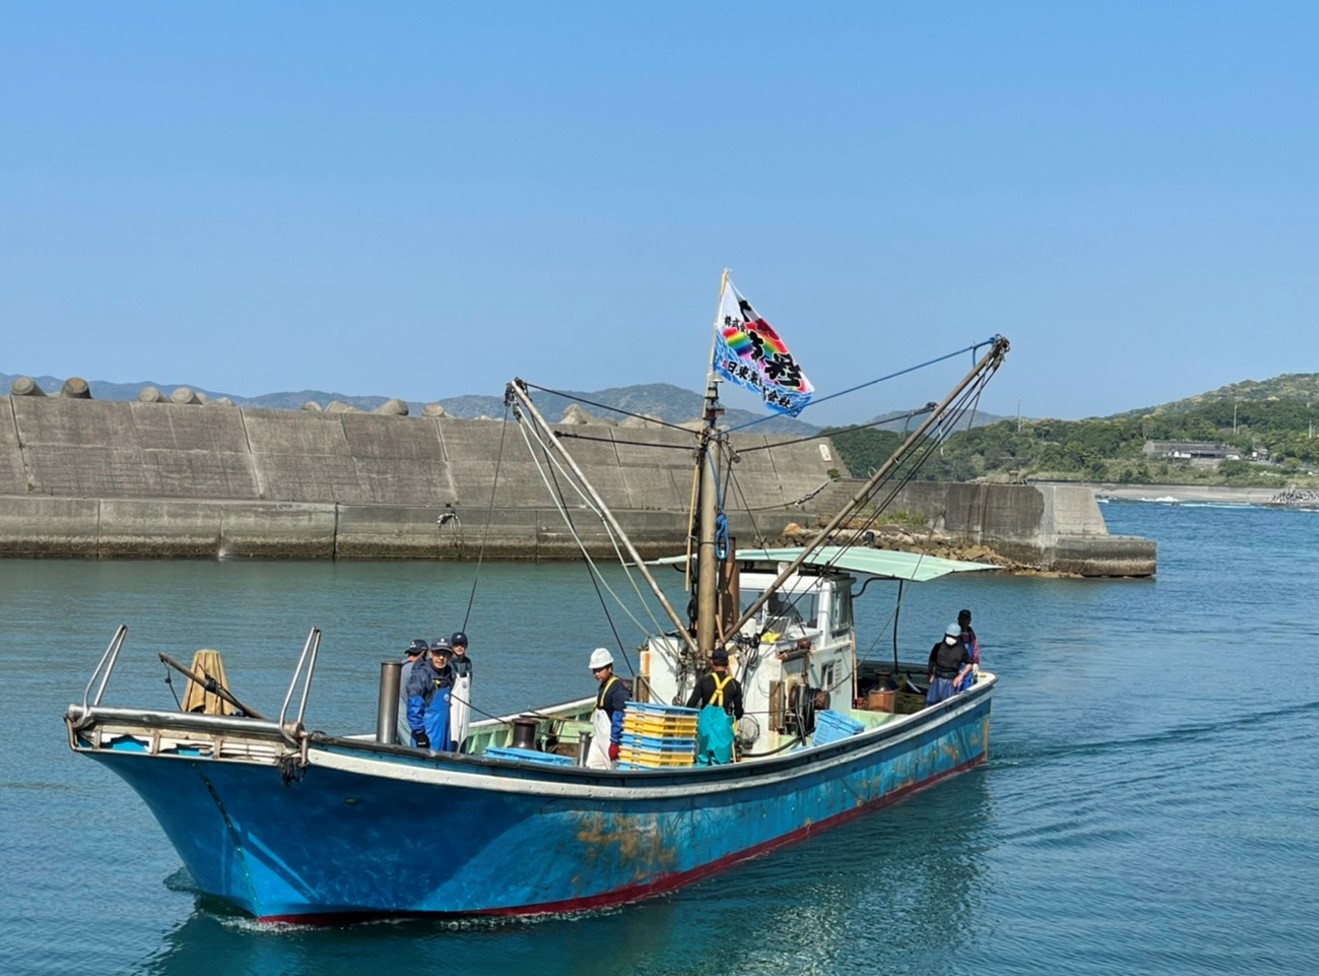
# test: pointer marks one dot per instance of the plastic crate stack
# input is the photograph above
(832, 726)
(657, 736)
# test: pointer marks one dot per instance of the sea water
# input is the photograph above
(1150, 804)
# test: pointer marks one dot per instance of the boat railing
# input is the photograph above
(181, 723)
(106, 664)
(307, 664)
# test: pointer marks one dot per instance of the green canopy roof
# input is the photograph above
(883, 563)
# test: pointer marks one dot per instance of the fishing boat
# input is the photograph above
(290, 824)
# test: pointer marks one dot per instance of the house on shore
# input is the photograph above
(1200, 454)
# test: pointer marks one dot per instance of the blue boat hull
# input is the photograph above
(345, 839)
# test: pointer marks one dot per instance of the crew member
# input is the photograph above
(460, 710)
(950, 662)
(607, 717)
(718, 688)
(719, 697)
(429, 692)
(411, 655)
(972, 645)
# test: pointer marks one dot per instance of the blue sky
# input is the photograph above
(424, 200)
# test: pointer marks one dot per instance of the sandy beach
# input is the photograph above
(1184, 493)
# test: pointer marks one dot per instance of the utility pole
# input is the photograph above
(1018, 415)
(1234, 416)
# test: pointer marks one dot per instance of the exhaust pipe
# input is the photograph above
(387, 708)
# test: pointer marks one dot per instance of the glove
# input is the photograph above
(423, 740)
(613, 752)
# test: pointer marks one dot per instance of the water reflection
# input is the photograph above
(625, 941)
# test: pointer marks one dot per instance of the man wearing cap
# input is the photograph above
(460, 709)
(429, 691)
(719, 697)
(718, 688)
(950, 662)
(607, 716)
(411, 655)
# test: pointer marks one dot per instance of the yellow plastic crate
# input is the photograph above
(678, 728)
(654, 760)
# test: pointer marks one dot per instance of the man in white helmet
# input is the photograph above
(607, 717)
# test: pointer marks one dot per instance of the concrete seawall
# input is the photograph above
(1051, 527)
(88, 478)
(91, 478)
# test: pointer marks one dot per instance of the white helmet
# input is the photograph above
(601, 658)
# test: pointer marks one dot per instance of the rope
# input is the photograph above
(489, 514)
(566, 435)
(774, 752)
(834, 431)
(605, 406)
(921, 452)
(759, 536)
(589, 504)
(596, 577)
(721, 536)
(172, 690)
(882, 379)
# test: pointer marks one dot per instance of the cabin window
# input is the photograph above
(784, 609)
(840, 611)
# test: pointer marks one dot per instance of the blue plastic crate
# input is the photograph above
(831, 726)
(658, 743)
(527, 755)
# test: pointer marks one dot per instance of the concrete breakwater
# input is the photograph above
(1055, 528)
(86, 478)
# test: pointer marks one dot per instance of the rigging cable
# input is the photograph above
(596, 575)
(489, 515)
(731, 482)
(921, 450)
(556, 492)
(861, 386)
(605, 406)
(835, 431)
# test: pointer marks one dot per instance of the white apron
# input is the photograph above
(598, 757)
(460, 711)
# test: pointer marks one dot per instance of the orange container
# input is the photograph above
(880, 700)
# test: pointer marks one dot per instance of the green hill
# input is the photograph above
(1296, 387)
(1270, 426)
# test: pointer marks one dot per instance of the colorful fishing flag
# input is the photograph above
(750, 353)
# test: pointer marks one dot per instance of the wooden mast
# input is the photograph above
(707, 556)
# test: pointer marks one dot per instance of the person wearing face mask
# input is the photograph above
(950, 663)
